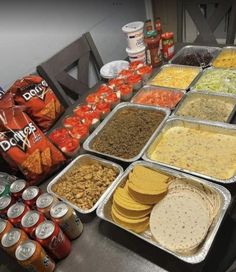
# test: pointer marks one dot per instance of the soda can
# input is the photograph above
(7, 177)
(30, 221)
(51, 237)
(17, 188)
(4, 187)
(33, 257)
(30, 195)
(16, 212)
(66, 218)
(5, 203)
(11, 240)
(5, 226)
(44, 203)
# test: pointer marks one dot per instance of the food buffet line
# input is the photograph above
(169, 128)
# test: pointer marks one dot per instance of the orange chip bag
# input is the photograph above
(40, 101)
(22, 142)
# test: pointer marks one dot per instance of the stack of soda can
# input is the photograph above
(35, 227)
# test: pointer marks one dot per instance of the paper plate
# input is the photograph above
(111, 69)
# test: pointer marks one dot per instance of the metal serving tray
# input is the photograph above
(192, 88)
(214, 51)
(175, 65)
(191, 94)
(226, 48)
(220, 128)
(104, 211)
(88, 143)
(81, 160)
(156, 89)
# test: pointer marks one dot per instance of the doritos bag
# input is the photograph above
(23, 143)
(40, 101)
(2, 92)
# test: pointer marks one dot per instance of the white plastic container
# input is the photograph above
(134, 32)
(138, 54)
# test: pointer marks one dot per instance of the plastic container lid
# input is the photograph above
(132, 27)
(136, 51)
(112, 69)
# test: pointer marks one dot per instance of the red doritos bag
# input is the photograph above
(23, 143)
(40, 101)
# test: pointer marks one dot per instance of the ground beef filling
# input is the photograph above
(127, 132)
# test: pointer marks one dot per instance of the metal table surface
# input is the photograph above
(106, 248)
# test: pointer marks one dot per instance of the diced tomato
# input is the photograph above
(125, 89)
(116, 82)
(59, 135)
(71, 121)
(136, 64)
(126, 73)
(79, 131)
(92, 98)
(134, 79)
(146, 69)
(162, 98)
(69, 145)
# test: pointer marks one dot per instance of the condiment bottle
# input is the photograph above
(168, 45)
(153, 51)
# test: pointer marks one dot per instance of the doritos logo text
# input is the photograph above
(1, 93)
(38, 90)
(19, 138)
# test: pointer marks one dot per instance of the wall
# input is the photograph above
(32, 31)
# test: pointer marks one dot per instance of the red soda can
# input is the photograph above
(30, 221)
(5, 203)
(16, 212)
(30, 195)
(51, 237)
(17, 188)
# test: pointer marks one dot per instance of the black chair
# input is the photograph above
(207, 26)
(76, 55)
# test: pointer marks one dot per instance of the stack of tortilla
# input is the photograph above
(133, 203)
(181, 220)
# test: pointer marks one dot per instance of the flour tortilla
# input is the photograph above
(179, 227)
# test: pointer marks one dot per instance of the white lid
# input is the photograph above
(132, 27)
(112, 69)
(135, 51)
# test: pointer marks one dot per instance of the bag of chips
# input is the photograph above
(2, 92)
(25, 145)
(41, 103)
